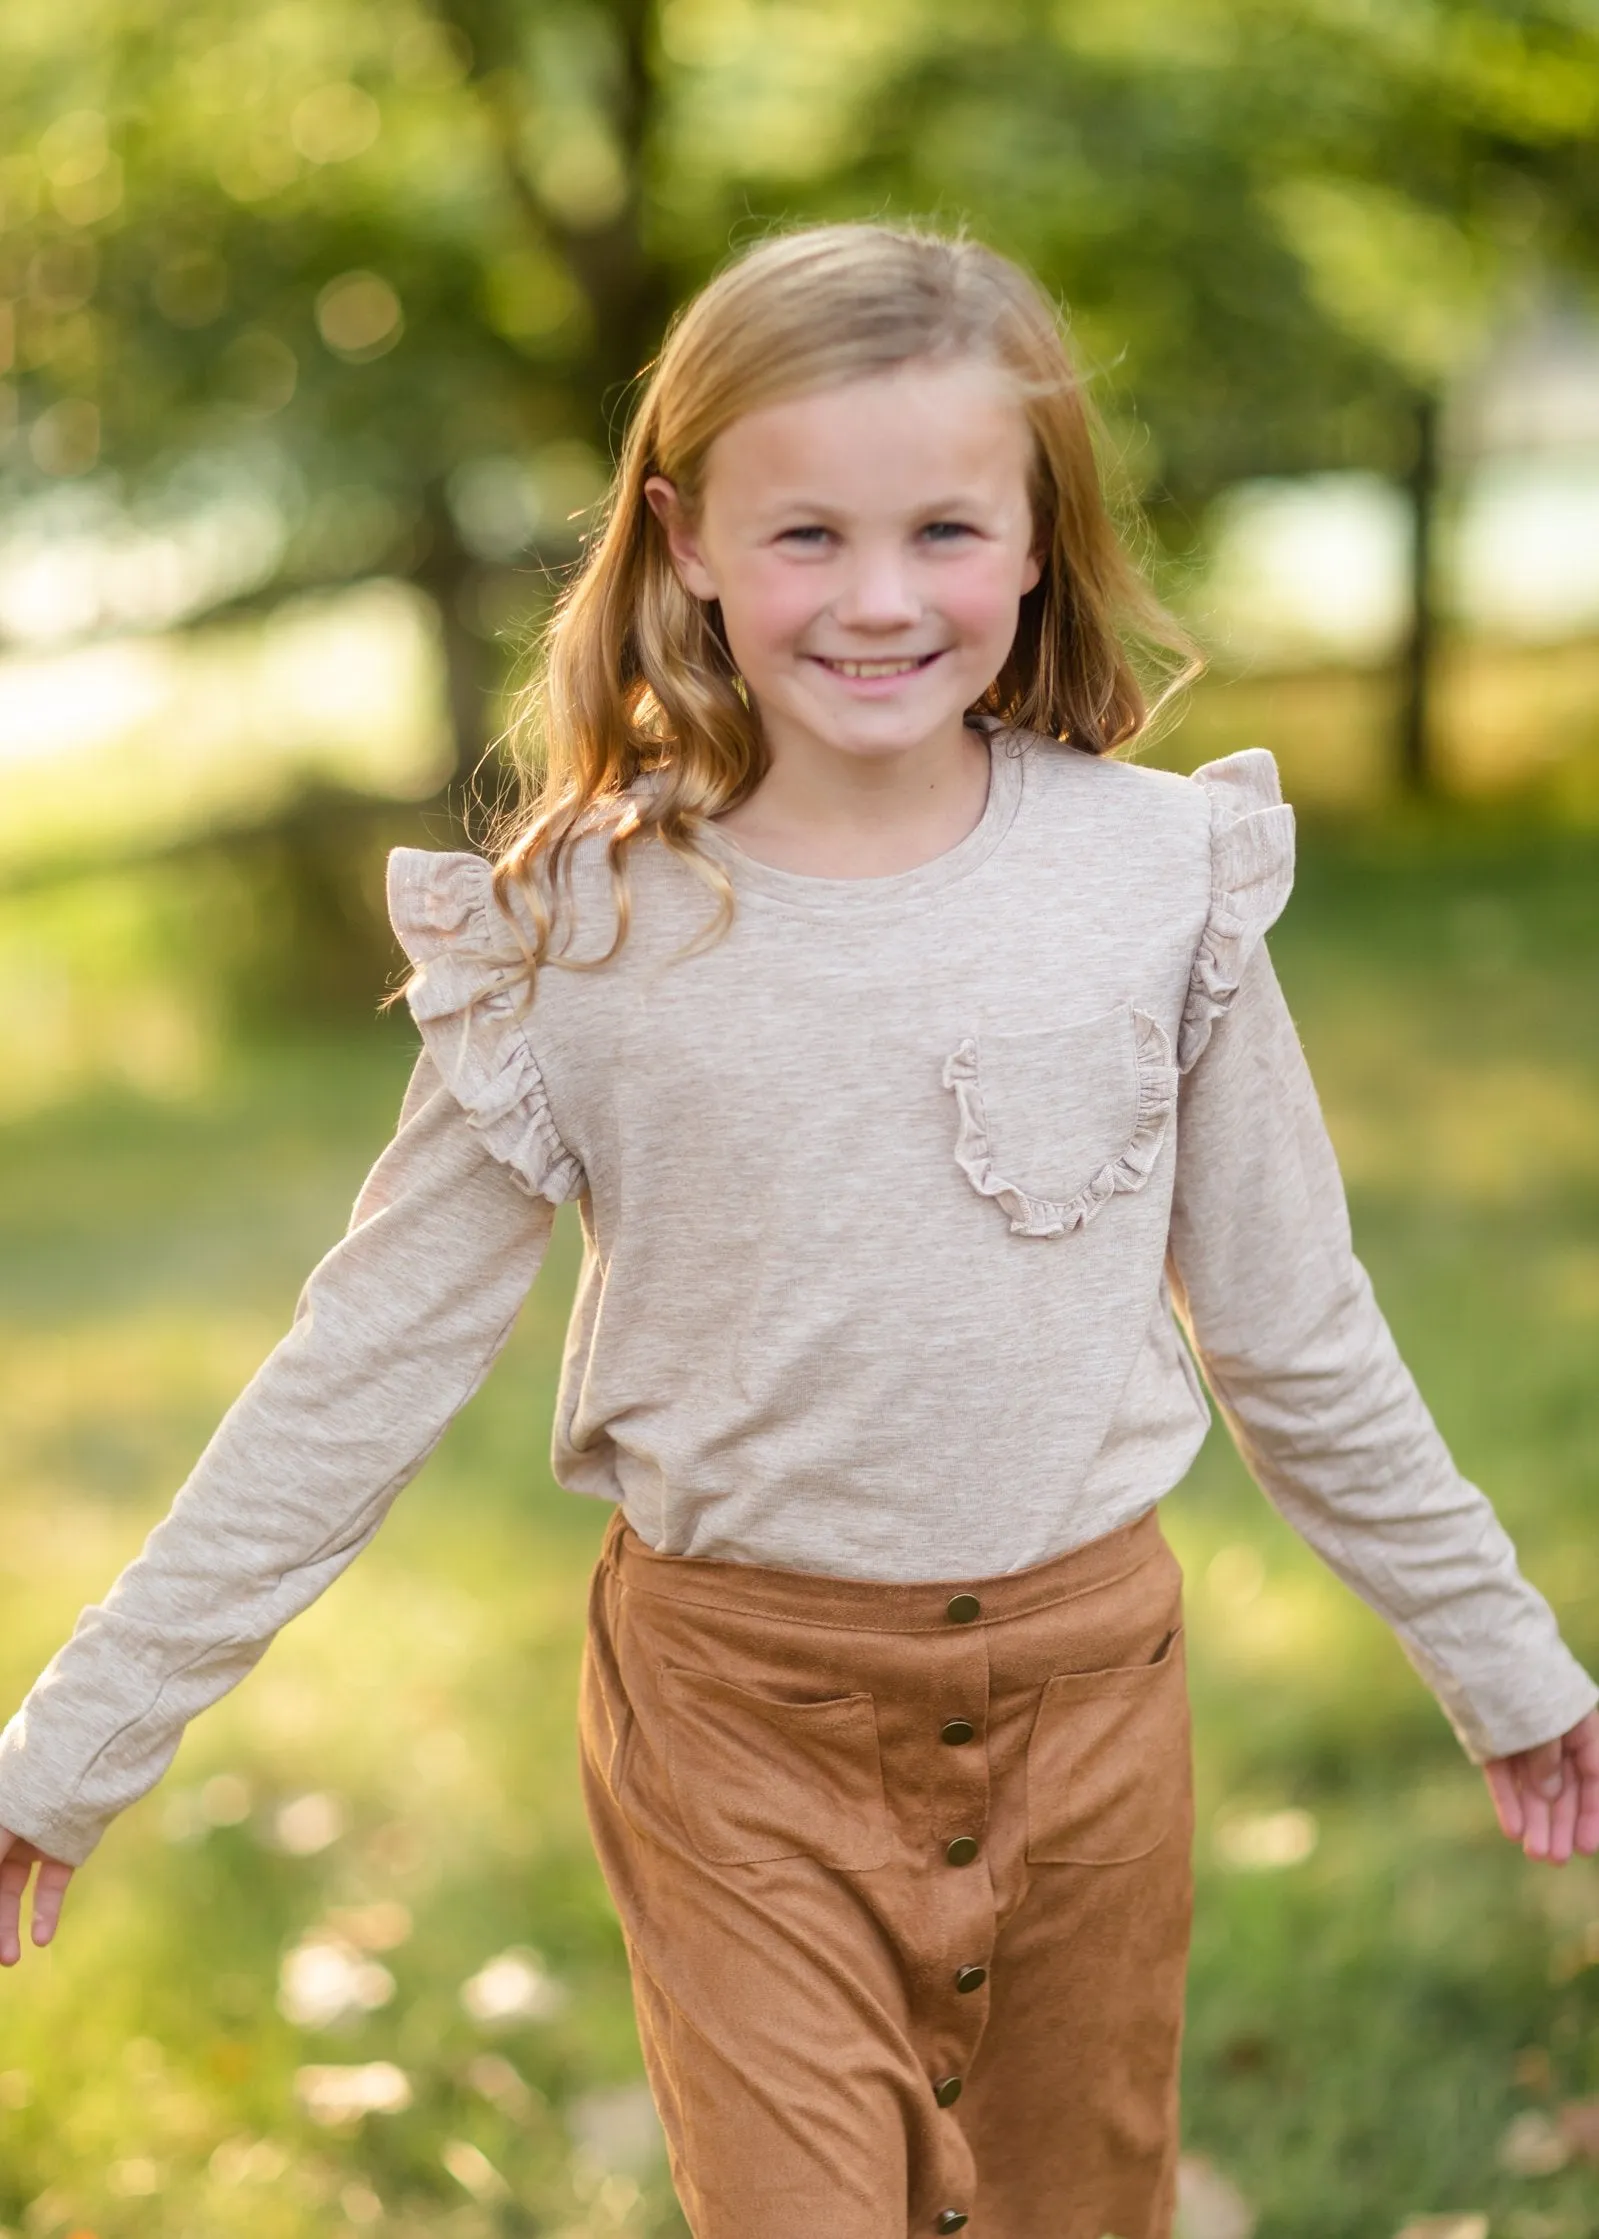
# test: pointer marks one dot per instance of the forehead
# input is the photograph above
(887, 436)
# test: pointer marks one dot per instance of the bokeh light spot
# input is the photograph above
(334, 123)
(358, 315)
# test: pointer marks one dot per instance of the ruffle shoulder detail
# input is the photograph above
(468, 995)
(1251, 877)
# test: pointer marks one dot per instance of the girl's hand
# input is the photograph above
(1547, 1798)
(17, 1861)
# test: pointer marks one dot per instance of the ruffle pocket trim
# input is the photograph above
(1129, 1170)
(1251, 878)
(467, 995)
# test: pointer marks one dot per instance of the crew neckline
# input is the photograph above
(891, 890)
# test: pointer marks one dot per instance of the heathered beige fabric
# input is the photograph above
(887, 1196)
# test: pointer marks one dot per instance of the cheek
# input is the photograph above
(765, 608)
(982, 597)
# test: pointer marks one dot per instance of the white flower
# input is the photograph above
(307, 1824)
(325, 1980)
(1533, 2146)
(513, 1987)
(1209, 2205)
(617, 2129)
(1261, 1842)
(339, 2095)
(474, 2171)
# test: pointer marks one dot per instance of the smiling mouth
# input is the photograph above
(901, 665)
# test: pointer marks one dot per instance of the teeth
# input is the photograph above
(874, 668)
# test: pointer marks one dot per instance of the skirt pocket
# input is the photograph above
(1108, 1762)
(756, 1778)
(604, 1716)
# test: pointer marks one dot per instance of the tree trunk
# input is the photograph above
(446, 572)
(1417, 759)
(627, 290)
(629, 293)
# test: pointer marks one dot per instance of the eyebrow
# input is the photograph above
(963, 501)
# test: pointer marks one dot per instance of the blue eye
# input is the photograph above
(812, 533)
(945, 532)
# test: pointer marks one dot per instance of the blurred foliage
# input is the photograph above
(292, 295)
(1277, 220)
(1389, 2006)
(368, 281)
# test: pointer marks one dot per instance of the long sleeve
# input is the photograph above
(1326, 1415)
(393, 1333)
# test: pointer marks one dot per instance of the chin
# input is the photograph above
(876, 739)
(886, 721)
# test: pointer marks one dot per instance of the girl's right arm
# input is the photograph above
(393, 1333)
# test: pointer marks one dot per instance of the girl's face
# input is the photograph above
(869, 546)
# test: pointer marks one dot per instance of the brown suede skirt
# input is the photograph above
(904, 1876)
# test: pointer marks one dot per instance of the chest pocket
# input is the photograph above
(1053, 1124)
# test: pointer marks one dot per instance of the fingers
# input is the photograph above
(1586, 1779)
(1557, 1790)
(1582, 1773)
(1582, 1761)
(1535, 1817)
(1543, 1770)
(17, 1861)
(1547, 1798)
(1563, 1821)
(1505, 1790)
(14, 1870)
(49, 1895)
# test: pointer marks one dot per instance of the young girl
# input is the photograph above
(912, 1063)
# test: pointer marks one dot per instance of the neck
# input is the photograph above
(831, 815)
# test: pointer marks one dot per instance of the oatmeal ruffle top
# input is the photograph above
(893, 1200)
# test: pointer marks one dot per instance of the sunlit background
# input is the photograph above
(317, 322)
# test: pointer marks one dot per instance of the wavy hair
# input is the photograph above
(635, 679)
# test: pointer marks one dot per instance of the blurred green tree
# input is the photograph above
(374, 273)
(1284, 227)
(365, 282)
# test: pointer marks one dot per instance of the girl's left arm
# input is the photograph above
(1282, 1318)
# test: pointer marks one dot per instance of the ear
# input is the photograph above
(682, 539)
(1032, 572)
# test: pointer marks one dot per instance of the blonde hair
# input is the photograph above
(636, 678)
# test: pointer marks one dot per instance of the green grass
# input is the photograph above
(1365, 2023)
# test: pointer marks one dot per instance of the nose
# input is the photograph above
(877, 594)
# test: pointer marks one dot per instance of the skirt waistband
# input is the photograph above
(867, 1605)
